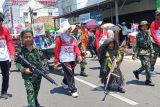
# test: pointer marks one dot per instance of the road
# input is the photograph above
(89, 89)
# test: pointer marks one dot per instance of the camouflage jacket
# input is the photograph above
(143, 45)
(35, 57)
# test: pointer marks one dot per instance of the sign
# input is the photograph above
(158, 4)
(97, 15)
(38, 29)
(18, 22)
(84, 17)
(18, 27)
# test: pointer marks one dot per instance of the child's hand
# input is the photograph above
(27, 71)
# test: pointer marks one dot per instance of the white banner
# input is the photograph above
(38, 29)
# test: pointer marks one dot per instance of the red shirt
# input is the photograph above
(57, 49)
(155, 25)
(99, 33)
(5, 37)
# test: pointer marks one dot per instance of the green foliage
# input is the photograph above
(158, 4)
(48, 27)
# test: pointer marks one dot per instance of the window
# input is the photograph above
(34, 15)
(50, 13)
(25, 15)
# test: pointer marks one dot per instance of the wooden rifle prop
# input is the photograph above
(114, 65)
(37, 70)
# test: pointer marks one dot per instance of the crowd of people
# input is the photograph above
(71, 47)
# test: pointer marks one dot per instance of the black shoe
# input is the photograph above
(136, 74)
(37, 103)
(149, 83)
(121, 90)
(83, 74)
(4, 95)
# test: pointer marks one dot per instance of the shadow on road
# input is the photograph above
(94, 68)
(59, 90)
(136, 82)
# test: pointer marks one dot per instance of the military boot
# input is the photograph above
(83, 73)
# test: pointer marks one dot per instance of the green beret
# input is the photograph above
(26, 31)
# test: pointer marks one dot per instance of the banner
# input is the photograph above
(158, 4)
(38, 29)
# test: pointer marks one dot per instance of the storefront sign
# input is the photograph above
(84, 17)
(98, 15)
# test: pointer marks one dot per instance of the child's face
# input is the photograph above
(144, 27)
(27, 39)
(111, 45)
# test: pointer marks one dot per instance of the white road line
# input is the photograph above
(131, 102)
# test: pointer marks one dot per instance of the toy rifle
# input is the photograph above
(37, 71)
(114, 65)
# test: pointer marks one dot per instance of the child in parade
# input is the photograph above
(144, 50)
(110, 54)
(66, 51)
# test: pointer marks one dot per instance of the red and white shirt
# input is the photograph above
(66, 49)
(6, 44)
(155, 31)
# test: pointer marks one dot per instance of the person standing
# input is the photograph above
(144, 50)
(78, 34)
(34, 56)
(155, 33)
(7, 51)
(66, 51)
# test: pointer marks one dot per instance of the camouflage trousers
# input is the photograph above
(156, 54)
(32, 90)
(145, 65)
(83, 63)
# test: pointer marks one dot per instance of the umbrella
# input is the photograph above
(110, 26)
(91, 23)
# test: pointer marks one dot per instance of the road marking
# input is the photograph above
(131, 102)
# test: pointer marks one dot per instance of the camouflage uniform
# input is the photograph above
(144, 49)
(34, 57)
(82, 49)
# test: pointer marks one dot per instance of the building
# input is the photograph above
(115, 11)
(26, 11)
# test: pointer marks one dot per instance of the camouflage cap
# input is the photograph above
(144, 22)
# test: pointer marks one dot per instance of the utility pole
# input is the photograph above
(116, 12)
(31, 14)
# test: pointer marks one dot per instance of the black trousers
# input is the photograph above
(68, 79)
(5, 75)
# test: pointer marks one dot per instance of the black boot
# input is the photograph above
(121, 90)
(136, 74)
(83, 73)
(149, 83)
(37, 103)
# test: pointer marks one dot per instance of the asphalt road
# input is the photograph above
(89, 89)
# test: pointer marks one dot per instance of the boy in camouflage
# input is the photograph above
(35, 56)
(144, 50)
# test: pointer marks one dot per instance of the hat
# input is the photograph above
(144, 22)
(65, 26)
(157, 13)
